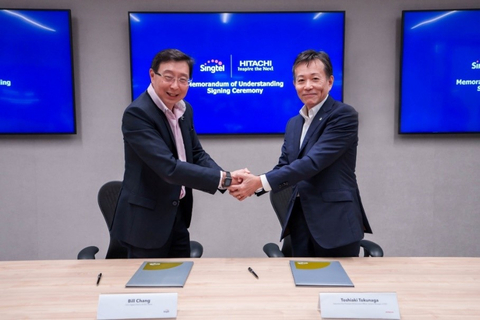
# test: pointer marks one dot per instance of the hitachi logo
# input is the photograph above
(255, 63)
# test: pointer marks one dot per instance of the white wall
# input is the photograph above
(420, 193)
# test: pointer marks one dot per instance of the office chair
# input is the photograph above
(107, 201)
(279, 203)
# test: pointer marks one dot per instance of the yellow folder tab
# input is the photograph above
(161, 265)
(309, 265)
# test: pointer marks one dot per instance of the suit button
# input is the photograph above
(175, 203)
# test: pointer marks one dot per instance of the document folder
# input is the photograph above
(161, 274)
(320, 273)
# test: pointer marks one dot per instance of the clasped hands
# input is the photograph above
(244, 184)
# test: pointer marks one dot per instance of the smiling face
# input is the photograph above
(311, 82)
(170, 92)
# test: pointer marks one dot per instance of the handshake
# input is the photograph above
(244, 184)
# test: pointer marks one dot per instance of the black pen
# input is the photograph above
(99, 277)
(252, 272)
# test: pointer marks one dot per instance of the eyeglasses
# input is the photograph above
(169, 79)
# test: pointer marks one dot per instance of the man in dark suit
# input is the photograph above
(164, 160)
(325, 215)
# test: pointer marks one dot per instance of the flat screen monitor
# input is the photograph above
(242, 80)
(36, 72)
(440, 72)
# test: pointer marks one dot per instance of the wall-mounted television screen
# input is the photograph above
(36, 72)
(242, 80)
(440, 72)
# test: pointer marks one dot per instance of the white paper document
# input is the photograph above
(137, 306)
(382, 305)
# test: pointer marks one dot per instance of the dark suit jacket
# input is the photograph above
(153, 174)
(322, 171)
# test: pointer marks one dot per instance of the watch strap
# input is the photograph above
(228, 180)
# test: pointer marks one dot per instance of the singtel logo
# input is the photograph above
(476, 65)
(212, 66)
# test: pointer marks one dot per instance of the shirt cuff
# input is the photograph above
(220, 182)
(265, 184)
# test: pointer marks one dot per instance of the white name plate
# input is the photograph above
(383, 305)
(137, 306)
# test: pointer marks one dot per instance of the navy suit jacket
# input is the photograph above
(322, 172)
(153, 176)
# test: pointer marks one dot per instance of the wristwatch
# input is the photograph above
(228, 180)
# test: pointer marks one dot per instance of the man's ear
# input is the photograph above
(151, 73)
(330, 81)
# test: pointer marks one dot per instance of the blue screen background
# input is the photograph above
(229, 39)
(36, 81)
(439, 48)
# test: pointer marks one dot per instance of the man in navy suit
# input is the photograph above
(164, 160)
(325, 215)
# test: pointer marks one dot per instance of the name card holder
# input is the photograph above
(348, 305)
(137, 306)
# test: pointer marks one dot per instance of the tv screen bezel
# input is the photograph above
(72, 66)
(342, 63)
(399, 114)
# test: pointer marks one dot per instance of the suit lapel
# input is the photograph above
(160, 116)
(184, 127)
(318, 121)
(297, 133)
(187, 142)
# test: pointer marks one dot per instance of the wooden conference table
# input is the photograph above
(222, 288)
